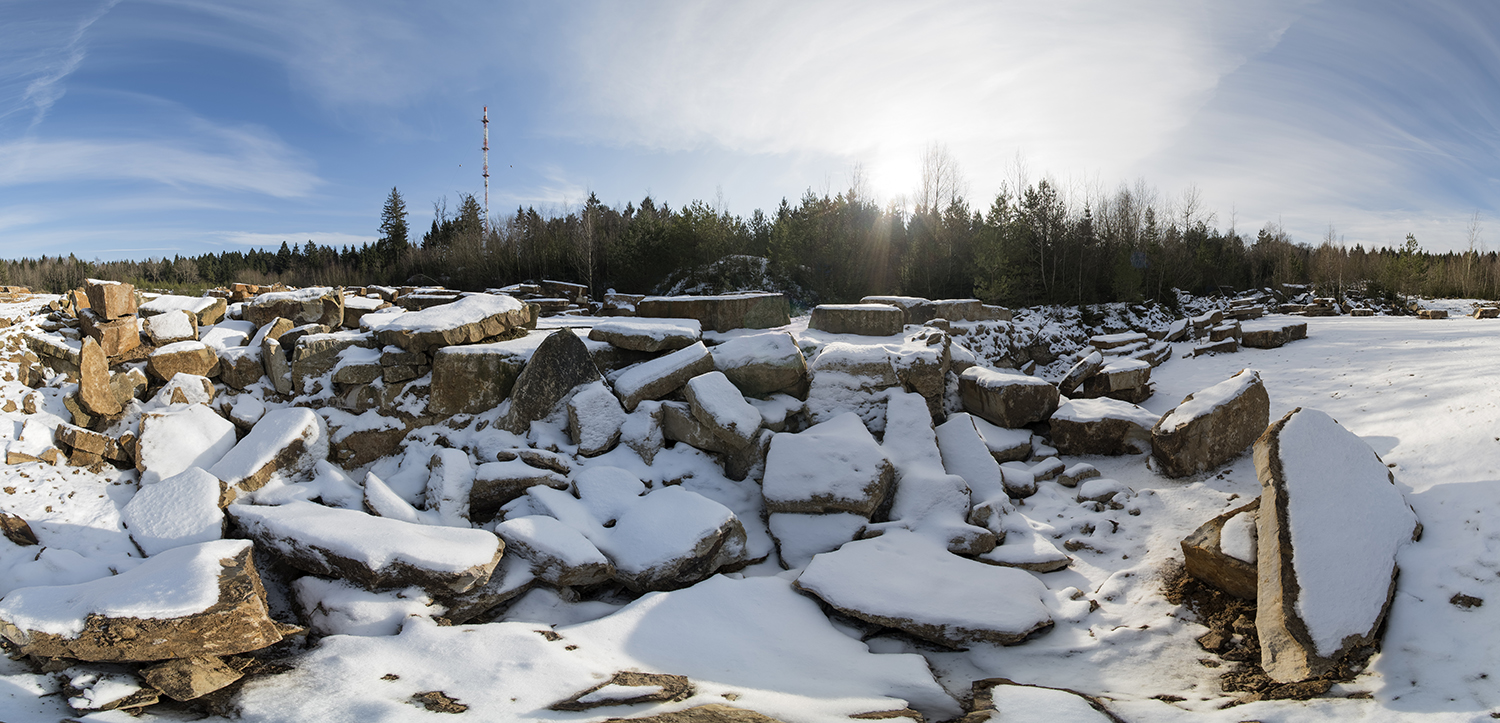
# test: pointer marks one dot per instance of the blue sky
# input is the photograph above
(155, 127)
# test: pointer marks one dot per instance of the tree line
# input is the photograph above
(1033, 243)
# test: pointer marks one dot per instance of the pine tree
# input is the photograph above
(393, 241)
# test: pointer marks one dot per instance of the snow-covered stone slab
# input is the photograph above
(1006, 445)
(719, 405)
(1222, 551)
(1211, 426)
(726, 312)
(284, 444)
(375, 552)
(1006, 398)
(1086, 367)
(203, 599)
(184, 509)
(1005, 701)
(171, 327)
(831, 467)
(185, 389)
(1101, 426)
(469, 320)
(559, 554)
(450, 481)
(927, 499)
(183, 357)
(648, 335)
(1111, 341)
(800, 537)
(227, 334)
(334, 607)
(206, 310)
(762, 364)
(1272, 334)
(497, 483)
(313, 305)
(903, 580)
(594, 419)
(662, 376)
(670, 539)
(110, 299)
(473, 378)
(966, 455)
(1027, 549)
(1330, 523)
(172, 441)
(861, 319)
(1125, 379)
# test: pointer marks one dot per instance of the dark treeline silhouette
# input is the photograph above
(1031, 244)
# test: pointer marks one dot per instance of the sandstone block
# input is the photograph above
(1211, 426)
(862, 319)
(1006, 398)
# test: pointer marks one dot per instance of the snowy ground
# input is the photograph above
(1420, 392)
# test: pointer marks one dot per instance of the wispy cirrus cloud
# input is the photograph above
(43, 48)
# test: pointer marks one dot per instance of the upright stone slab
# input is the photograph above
(93, 381)
(1211, 426)
(862, 319)
(1006, 398)
(1216, 553)
(558, 365)
(1330, 524)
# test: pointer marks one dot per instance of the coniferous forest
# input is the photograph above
(1025, 246)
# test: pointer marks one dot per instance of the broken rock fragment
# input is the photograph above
(560, 364)
(285, 442)
(1211, 426)
(203, 599)
(1222, 551)
(662, 376)
(831, 467)
(1006, 398)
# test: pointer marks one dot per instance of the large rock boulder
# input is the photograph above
(559, 555)
(376, 552)
(831, 467)
(111, 299)
(186, 357)
(1101, 426)
(314, 305)
(1125, 379)
(762, 364)
(559, 365)
(94, 392)
(1211, 426)
(1006, 398)
(862, 319)
(115, 336)
(903, 580)
(469, 320)
(1222, 551)
(1272, 334)
(203, 599)
(1330, 524)
(171, 327)
(750, 310)
(718, 405)
(474, 378)
(205, 310)
(648, 335)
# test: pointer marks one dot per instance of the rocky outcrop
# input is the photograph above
(1211, 426)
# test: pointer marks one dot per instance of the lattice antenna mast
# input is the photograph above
(486, 149)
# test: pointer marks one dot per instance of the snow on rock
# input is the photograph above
(334, 607)
(466, 321)
(661, 376)
(185, 389)
(184, 509)
(1221, 552)
(183, 357)
(203, 599)
(1015, 703)
(559, 555)
(846, 378)
(1026, 548)
(758, 640)
(449, 486)
(171, 327)
(1211, 426)
(966, 455)
(595, 418)
(206, 309)
(1101, 426)
(375, 552)
(497, 483)
(861, 319)
(831, 467)
(1330, 524)
(171, 441)
(719, 405)
(227, 334)
(1006, 398)
(761, 364)
(903, 580)
(313, 305)
(648, 335)
(1006, 445)
(560, 364)
(284, 445)
(928, 499)
(799, 537)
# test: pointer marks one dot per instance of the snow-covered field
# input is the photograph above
(1423, 394)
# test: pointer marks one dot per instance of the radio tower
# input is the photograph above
(486, 149)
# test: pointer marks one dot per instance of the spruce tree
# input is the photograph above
(393, 241)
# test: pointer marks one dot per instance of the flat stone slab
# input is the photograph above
(862, 319)
(469, 320)
(648, 335)
(727, 312)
